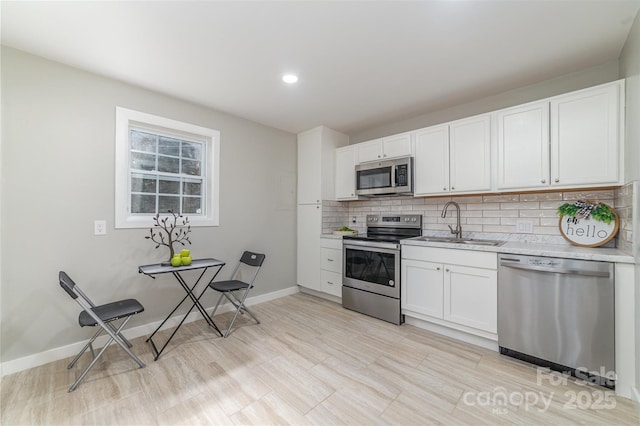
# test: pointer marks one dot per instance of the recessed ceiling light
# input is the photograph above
(290, 78)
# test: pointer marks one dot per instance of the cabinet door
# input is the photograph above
(308, 249)
(309, 167)
(523, 146)
(470, 154)
(471, 297)
(346, 173)
(431, 163)
(369, 151)
(585, 132)
(331, 283)
(331, 259)
(421, 289)
(396, 146)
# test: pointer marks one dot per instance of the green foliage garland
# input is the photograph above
(600, 212)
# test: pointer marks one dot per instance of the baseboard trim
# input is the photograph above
(66, 351)
(455, 334)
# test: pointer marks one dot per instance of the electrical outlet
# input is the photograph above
(524, 226)
(99, 227)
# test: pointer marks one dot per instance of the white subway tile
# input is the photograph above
(544, 196)
(483, 221)
(501, 198)
(528, 205)
(483, 206)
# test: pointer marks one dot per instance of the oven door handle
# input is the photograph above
(359, 245)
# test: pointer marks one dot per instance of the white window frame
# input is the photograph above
(126, 118)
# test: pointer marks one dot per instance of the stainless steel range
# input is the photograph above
(371, 266)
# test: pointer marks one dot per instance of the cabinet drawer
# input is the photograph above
(333, 243)
(331, 283)
(478, 259)
(331, 260)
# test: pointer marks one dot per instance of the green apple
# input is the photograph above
(186, 260)
(185, 253)
(176, 260)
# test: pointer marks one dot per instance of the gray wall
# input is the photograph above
(590, 77)
(630, 69)
(58, 177)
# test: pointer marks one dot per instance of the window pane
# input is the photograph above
(141, 161)
(192, 150)
(169, 186)
(169, 146)
(192, 187)
(142, 183)
(192, 205)
(191, 168)
(143, 203)
(168, 165)
(168, 202)
(141, 141)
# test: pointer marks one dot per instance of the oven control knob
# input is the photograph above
(391, 283)
(414, 219)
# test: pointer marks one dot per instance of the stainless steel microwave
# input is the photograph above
(387, 177)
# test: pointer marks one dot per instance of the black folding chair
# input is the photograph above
(250, 264)
(103, 316)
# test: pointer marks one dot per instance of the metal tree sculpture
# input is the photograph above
(167, 235)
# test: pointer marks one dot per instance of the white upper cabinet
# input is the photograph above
(346, 160)
(523, 146)
(397, 145)
(454, 157)
(316, 168)
(470, 154)
(310, 166)
(568, 141)
(385, 148)
(586, 136)
(431, 163)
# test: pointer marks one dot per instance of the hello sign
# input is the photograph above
(588, 232)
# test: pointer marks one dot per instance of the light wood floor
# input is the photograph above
(309, 362)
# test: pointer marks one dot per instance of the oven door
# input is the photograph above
(373, 269)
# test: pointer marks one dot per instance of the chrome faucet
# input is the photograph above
(458, 230)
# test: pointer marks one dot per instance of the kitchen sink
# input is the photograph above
(452, 240)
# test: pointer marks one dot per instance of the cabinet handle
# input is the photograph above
(438, 268)
(452, 188)
(329, 260)
(444, 189)
(329, 282)
(543, 181)
(446, 270)
(557, 180)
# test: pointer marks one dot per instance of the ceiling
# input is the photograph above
(360, 64)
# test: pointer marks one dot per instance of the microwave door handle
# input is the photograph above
(394, 176)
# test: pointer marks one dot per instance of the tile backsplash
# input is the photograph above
(485, 214)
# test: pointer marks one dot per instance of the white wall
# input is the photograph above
(630, 69)
(58, 177)
(590, 77)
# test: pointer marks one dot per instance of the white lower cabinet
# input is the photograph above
(454, 288)
(471, 297)
(331, 266)
(423, 290)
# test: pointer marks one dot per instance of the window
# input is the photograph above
(162, 165)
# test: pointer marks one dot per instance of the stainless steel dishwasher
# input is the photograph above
(558, 313)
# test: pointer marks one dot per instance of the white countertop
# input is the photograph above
(538, 249)
(604, 254)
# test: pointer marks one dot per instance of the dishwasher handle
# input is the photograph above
(507, 263)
